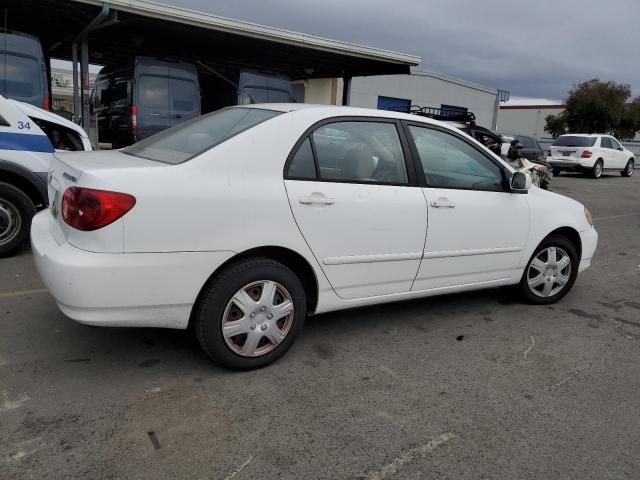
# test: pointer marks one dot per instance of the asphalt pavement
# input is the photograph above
(464, 386)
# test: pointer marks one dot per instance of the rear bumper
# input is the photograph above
(573, 164)
(121, 289)
(589, 239)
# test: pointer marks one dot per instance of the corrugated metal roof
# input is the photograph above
(150, 9)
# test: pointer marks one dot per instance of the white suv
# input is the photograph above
(594, 154)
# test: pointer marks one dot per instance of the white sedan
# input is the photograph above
(244, 221)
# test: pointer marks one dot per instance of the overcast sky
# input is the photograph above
(532, 48)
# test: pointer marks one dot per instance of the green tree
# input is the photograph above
(597, 107)
(556, 124)
(630, 121)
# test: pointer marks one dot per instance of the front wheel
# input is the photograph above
(16, 212)
(551, 271)
(628, 170)
(250, 314)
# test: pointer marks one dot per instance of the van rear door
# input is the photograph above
(153, 102)
(23, 73)
(184, 93)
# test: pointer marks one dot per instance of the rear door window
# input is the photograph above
(362, 152)
(19, 76)
(193, 137)
(605, 142)
(183, 95)
(154, 91)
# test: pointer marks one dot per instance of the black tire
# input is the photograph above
(596, 170)
(629, 168)
(218, 293)
(552, 241)
(556, 172)
(16, 208)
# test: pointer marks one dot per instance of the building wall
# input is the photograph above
(62, 88)
(427, 90)
(527, 119)
(323, 91)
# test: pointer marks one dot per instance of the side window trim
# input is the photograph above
(421, 176)
(408, 158)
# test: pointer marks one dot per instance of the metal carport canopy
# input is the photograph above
(142, 27)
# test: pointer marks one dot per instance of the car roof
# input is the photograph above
(584, 135)
(339, 110)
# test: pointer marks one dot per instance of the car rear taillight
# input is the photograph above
(134, 117)
(586, 154)
(88, 209)
(45, 105)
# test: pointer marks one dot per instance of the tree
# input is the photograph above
(597, 107)
(556, 124)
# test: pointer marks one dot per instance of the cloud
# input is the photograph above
(537, 49)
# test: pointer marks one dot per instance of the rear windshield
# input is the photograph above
(572, 141)
(191, 138)
(19, 76)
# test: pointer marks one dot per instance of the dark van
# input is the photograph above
(149, 95)
(242, 87)
(23, 71)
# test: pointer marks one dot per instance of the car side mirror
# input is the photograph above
(621, 149)
(521, 182)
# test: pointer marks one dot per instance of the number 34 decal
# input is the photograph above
(24, 126)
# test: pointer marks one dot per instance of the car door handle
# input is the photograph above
(316, 199)
(443, 203)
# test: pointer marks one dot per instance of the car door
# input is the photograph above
(528, 148)
(606, 152)
(477, 228)
(618, 154)
(355, 198)
(540, 154)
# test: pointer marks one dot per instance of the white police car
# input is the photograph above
(29, 136)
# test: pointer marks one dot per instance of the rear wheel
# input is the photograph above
(596, 171)
(250, 314)
(16, 212)
(551, 271)
(628, 170)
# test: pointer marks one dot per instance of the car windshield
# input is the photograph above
(574, 141)
(193, 137)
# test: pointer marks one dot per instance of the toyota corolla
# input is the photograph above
(244, 221)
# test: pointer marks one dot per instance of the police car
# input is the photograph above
(29, 136)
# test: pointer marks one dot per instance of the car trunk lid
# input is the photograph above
(78, 169)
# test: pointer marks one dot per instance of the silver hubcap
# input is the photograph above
(257, 318)
(10, 221)
(630, 168)
(597, 169)
(549, 272)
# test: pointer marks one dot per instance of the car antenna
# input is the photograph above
(252, 100)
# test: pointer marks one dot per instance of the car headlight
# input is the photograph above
(588, 216)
